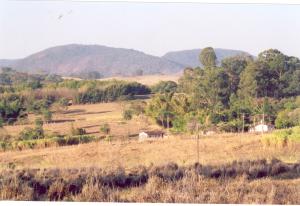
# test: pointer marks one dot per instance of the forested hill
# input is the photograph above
(107, 61)
(191, 57)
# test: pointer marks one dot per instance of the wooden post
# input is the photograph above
(243, 129)
(198, 148)
(168, 123)
(263, 122)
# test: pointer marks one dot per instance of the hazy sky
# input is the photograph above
(154, 28)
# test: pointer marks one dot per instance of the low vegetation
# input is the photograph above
(46, 142)
(282, 138)
(168, 183)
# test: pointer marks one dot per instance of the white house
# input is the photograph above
(261, 128)
(143, 136)
(150, 134)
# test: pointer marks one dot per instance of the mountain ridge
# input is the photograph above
(190, 57)
(109, 61)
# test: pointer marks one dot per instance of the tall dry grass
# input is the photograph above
(258, 182)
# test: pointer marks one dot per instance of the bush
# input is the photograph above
(38, 122)
(4, 136)
(164, 87)
(5, 145)
(43, 143)
(127, 114)
(74, 140)
(179, 125)
(105, 128)
(282, 137)
(288, 118)
(77, 131)
(47, 115)
(30, 133)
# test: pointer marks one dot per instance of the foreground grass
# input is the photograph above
(214, 150)
(259, 181)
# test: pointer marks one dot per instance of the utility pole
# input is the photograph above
(198, 150)
(243, 123)
(168, 123)
(263, 121)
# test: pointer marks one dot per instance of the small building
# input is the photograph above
(261, 128)
(150, 135)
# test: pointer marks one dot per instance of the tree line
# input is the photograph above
(22, 93)
(240, 92)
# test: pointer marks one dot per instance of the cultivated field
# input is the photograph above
(90, 117)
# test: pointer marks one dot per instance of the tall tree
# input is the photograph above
(234, 66)
(212, 89)
(257, 80)
(275, 59)
(208, 57)
(160, 108)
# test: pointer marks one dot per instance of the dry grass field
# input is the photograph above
(128, 154)
(90, 117)
(124, 154)
(148, 80)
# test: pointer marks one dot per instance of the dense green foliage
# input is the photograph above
(235, 96)
(111, 92)
(208, 57)
(282, 138)
(164, 86)
(22, 93)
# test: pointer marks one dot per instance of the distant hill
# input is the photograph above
(74, 58)
(108, 61)
(7, 62)
(191, 57)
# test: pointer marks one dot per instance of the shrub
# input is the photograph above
(164, 87)
(74, 140)
(108, 138)
(47, 115)
(30, 133)
(5, 145)
(127, 114)
(38, 122)
(282, 120)
(63, 103)
(77, 131)
(105, 128)
(4, 136)
(282, 137)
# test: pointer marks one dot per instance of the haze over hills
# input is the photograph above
(109, 61)
(191, 57)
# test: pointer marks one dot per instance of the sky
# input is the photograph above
(27, 27)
